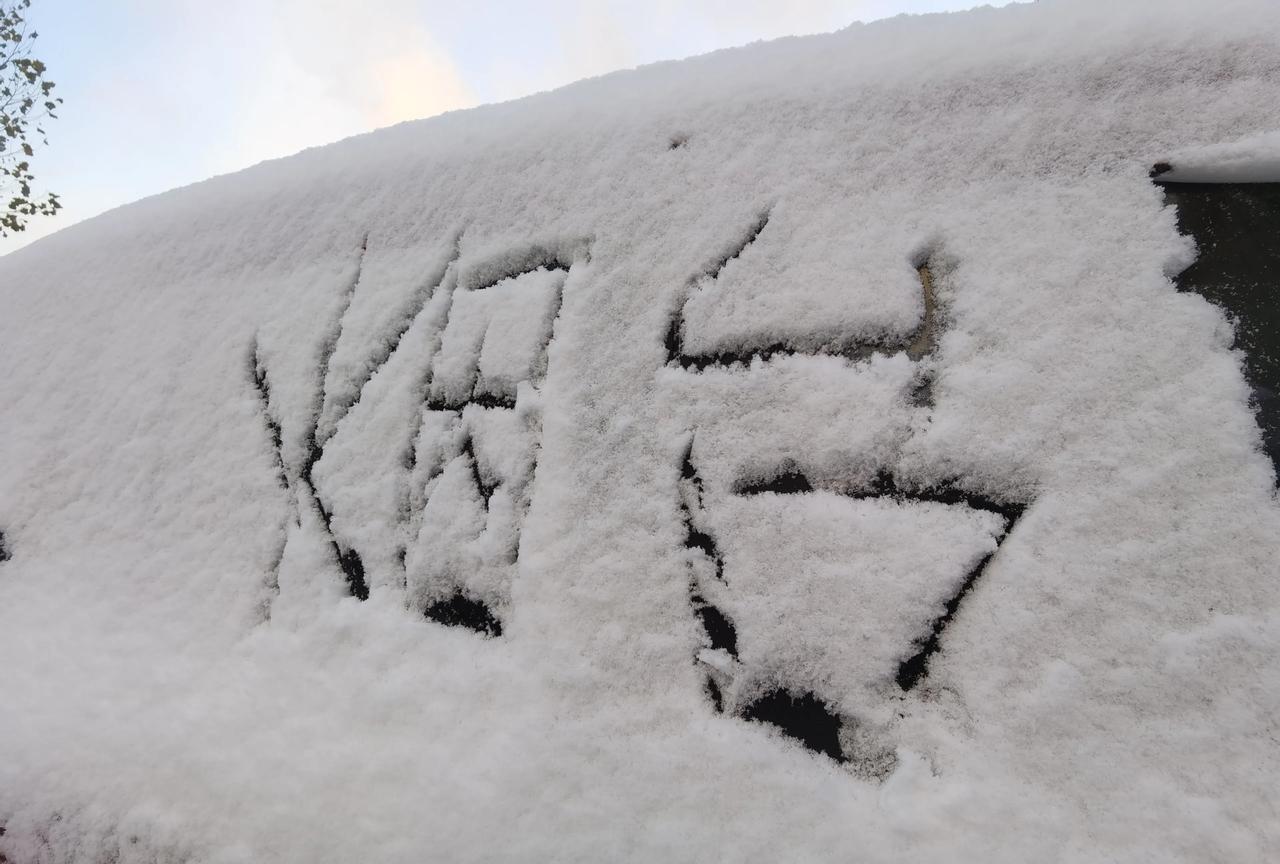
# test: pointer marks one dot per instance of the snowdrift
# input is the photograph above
(801, 452)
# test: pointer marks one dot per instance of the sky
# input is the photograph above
(163, 93)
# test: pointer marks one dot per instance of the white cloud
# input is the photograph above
(332, 71)
(599, 36)
(415, 84)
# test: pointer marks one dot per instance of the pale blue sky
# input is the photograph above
(162, 93)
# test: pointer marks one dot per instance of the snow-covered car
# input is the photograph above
(830, 449)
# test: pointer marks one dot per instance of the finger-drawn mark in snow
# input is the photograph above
(691, 502)
(492, 356)
(258, 375)
(706, 569)
(787, 480)
(675, 142)
(915, 668)
(497, 336)
(520, 261)
(675, 332)
(315, 447)
(542, 260)
(916, 345)
(798, 713)
(817, 722)
(413, 330)
(483, 486)
(5, 555)
(720, 632)
(303, 492)
(348, 560)
(484, 400)
(411, 458)
(1236, 227)
(387, 347)
(258, 372)
(795, 712)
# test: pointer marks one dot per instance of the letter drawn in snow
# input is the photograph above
(481, 428)
(469, 347)
(773, 554)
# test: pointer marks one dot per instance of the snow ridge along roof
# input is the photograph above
(800, 452)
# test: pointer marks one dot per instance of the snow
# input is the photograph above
(480, 306)
(826, 558)
(801, 282)
(515, 341)
(750, 421)
(1252, 159)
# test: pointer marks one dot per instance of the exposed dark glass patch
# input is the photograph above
(788, 481)
(1236, 227)
(463, 611)
(353, 569)
(714, 694)
(804, 718)
(484, 400)
(5, 555)
(719, 629)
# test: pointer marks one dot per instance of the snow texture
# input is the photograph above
(842, 376)
(837, 293)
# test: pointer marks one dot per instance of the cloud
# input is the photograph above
(574, 39)
(323, 70)
(413, 84)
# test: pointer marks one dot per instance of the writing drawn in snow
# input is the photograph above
(816, 598)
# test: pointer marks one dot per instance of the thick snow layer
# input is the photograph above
(842, 373)
(1254, 159)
